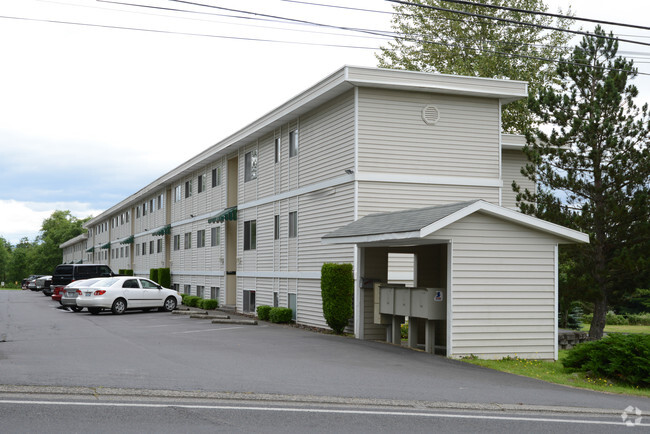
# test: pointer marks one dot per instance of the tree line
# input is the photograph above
(41, 255)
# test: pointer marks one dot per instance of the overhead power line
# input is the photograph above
(546, 14)
(520, 23)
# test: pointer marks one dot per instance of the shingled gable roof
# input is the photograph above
(419, 223)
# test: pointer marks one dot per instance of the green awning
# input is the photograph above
(107, 245)
(229, 214)
(80, 261)
(165, 230)
(90, 249)
(128, 240)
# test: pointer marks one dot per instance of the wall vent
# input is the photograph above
(430, 114)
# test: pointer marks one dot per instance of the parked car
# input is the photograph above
(25, 283)
(73, 290)
(43, 284)
(127, 292)
(64, 274)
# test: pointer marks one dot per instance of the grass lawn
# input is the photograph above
(621, 328)
(10, 288)
(554, 372)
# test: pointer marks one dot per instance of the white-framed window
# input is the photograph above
(276, 227)
(151, 250)
(293, 224)
(214, 292)
(250, 235)
(293, 143)
(159, 246)
(199, 290)
(177, 242)
(137, 250)
(152, 205)
(177, 193)
(144, 248)
(127, 216)
(121, 252)
(144, 209)
(161, 200)
(175, 287)
(291, 304)
(188, 240)
(188, 188)
(200, 238)
(201, 184)
(277, 149)
(216, 176)
(250, 165)
(126, 251)
(215, 236)
(137, 212)
(249, 300)
(187, 289)
(276, 299)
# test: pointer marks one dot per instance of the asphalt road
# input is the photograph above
(56, 353)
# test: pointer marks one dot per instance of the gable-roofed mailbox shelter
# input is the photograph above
(251, 219)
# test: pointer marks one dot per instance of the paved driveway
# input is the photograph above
(47, 346)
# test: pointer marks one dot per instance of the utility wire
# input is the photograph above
(547, 14)
(185, 33)
(520, 23)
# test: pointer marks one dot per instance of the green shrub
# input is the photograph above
(165, 277)
(125, 272)
(337, 291)
(613, 319)
(639, 319)
(621, 358)
(210, 303)
(153, 274)
(263, 312)
(404, 330)
(280, 314)
(191, 300)
(199, 303)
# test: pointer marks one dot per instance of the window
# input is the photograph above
(188, 188)
(200, 238)
(177, 242)
(293, 224)
(144, 248)
(160, 201)
(215, 236)
(277, 150)
(137, 250)
(144, 209)
(137, 212)
(199, 291)
(250, 235)
(127, 216)
(122, 219)
(249, 300)
(177, 194)
(292, 305)
(126, 252)
(216, 176)
(176, 287)
(276, 299)
(159, 246)
(188, 240)
(151, 251)
(250, 168)
(214, 292)
(276, 228)
(152, 205)
(201, 184)
(121, 252)
(187, 289)
(293, 143)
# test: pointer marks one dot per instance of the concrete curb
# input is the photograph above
(107, 392)
(208, 316)
(235, 321)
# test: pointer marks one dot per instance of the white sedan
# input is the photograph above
(125, 292)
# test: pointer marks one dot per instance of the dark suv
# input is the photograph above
(66, 273)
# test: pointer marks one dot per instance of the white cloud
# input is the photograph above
(24, 219)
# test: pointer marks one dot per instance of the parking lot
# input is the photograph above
(47, 346)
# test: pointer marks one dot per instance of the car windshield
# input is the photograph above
(103, 283)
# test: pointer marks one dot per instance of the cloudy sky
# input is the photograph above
(98, 99)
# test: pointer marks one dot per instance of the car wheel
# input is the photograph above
(76, 308)
(94, 310)
(170, 304)
(119, 306)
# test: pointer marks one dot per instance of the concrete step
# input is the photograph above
(189, 312)
(235, 321)
(209, 316)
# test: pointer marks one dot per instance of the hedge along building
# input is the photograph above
(247, 220)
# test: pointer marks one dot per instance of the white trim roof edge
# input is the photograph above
(74, 240)
(337, 82)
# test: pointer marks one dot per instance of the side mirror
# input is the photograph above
(159, 287)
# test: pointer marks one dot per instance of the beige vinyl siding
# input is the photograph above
(326, 139)
(503, 289)
(393, 138)
(512, 162)
(401, 267)
(309, 303)
(375, 197)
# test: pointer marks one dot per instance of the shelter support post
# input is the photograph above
(430, 337)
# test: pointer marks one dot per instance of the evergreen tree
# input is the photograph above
(593, 172)
(450, 43)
